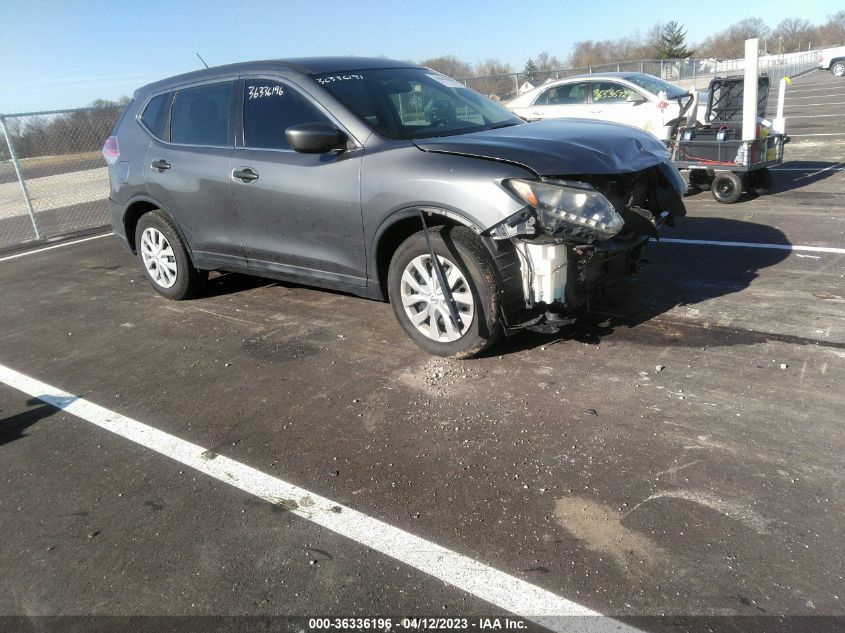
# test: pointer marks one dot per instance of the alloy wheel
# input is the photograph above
(424, 301)
(158, 257)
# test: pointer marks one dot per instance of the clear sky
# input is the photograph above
(56, 54)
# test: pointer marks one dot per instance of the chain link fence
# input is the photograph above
(53, 178)
(689, 73)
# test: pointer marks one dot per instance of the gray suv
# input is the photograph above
(389, 181)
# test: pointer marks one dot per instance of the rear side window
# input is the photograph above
(155, 115)
(271, 107)
(567, 94)
(200, 116)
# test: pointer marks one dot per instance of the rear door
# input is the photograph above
(187, 170)
(560, 102)
(300, 213)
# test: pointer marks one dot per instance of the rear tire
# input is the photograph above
(414, 292)
(164, 258)
(700, 179)
(837, 69)
(727, 187)
(760, 181)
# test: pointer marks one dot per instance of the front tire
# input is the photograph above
(419, 304)
(727, 187)
(164, 258)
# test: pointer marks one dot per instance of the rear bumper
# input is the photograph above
(116, 217)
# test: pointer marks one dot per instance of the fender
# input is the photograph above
(407, 213)
(149, 200)
(502, 253)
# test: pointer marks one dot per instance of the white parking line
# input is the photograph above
(832, 94)
(803, 89)
(818, 134)
(50, 248)
(782, 247)
(814, 116)
(480, 580)
(810, 170)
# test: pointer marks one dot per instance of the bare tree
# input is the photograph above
(730, 43)
(545, 62)
(449, 65)
(491, 81)
(790, 34)
(832, 33)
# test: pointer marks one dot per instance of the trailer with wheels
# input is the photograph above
(716, 157)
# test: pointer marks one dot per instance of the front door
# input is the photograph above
(612, 101)
(300, 213)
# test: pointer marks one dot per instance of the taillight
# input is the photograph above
(111, 150)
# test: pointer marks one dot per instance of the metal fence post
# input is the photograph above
(21, 180)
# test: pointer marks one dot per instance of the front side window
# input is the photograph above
(155, 115)
(567, 94)
(408, 103)
(610, 92)
(200, 116)
(271, 107)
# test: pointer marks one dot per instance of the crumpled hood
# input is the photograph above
(557, 147)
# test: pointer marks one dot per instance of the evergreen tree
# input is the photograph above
(530, 71)
(671, 42)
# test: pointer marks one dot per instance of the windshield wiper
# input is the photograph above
(501, 125)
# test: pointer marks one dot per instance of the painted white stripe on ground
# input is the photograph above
(803, 89)
(819, 134)
(832, 94)
(480, 580)
(814, 116)
(781, 247)
(811, 105)
(809, 170)
(50, 248)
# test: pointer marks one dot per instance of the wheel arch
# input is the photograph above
(399, 226)
(140, 206)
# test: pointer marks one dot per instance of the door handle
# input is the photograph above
(245, 175)
(160, 165)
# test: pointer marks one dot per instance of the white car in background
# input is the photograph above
(833, 59)
(637, 99)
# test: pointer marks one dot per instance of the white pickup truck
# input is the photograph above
(833, 59)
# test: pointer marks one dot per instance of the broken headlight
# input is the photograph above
(568, 208)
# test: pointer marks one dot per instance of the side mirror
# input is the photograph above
(636, 98)
(315, 138)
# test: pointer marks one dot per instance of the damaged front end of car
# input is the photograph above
(578, 233)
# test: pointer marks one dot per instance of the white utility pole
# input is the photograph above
(749, 99)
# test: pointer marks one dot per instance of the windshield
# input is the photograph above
(411, 103)
(655, 85)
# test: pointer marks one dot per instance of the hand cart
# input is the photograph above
(714, 154)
